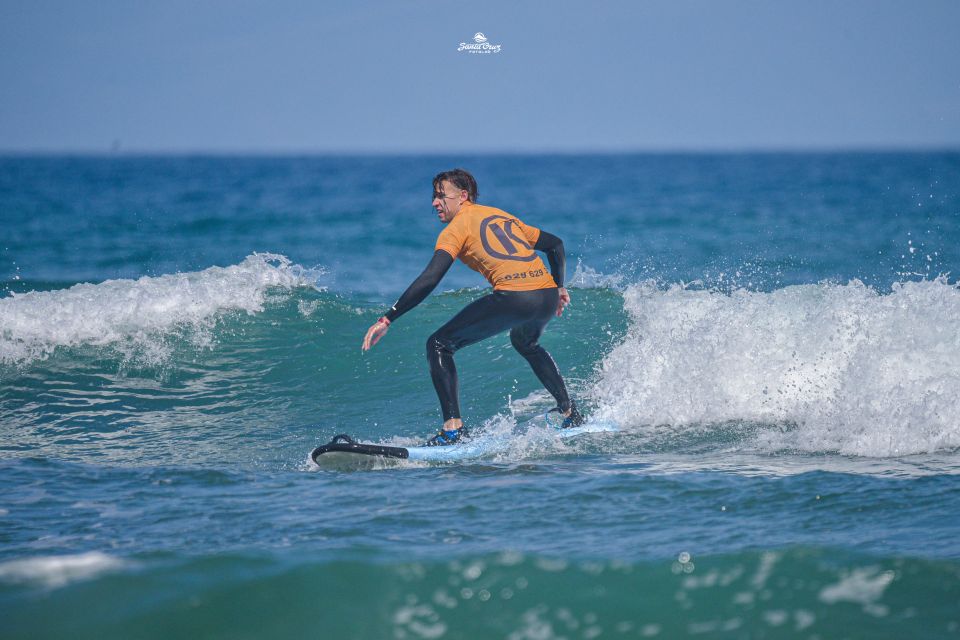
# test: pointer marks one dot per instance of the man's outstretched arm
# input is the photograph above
(414, 295)
(422, 286)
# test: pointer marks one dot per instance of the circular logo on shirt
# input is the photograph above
(501, 240)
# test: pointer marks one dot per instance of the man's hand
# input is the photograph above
(564, 301)
(375, 332)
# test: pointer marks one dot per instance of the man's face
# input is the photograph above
(447, 200)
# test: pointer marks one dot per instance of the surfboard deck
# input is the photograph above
(343, 449)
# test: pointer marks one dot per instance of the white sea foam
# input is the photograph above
(863, 585)
(842, 367)
(585, 277)
(135, 315)
(54, 572)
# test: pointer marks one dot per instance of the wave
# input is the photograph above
(819, 368)
(136, 317)
(842, 368)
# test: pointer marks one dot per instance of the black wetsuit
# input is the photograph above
(524, 313)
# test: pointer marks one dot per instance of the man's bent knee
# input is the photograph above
(437, 344)
(522, 342)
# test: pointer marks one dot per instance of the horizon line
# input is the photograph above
(279, 152)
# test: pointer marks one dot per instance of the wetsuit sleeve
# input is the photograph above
(553, 247)
(422, 286)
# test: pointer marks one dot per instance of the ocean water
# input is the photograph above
(777, 336)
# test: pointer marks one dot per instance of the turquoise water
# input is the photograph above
(776, 335)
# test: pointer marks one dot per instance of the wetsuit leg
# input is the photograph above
(525, 340)
(480, 319)
(528, 311)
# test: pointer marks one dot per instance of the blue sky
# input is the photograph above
(234, 77)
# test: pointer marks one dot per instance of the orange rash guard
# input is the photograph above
(498, 246)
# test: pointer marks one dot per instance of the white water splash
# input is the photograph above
(585, 277)
(856, 372)
(53, 572)
(864, 586)
(134, 315)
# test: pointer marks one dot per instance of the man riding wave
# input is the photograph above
(525, 296)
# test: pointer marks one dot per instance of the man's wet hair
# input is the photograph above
(459, 178)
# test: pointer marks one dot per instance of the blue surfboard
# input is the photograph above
(343, 449)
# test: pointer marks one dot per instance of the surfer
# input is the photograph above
(525, 297)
